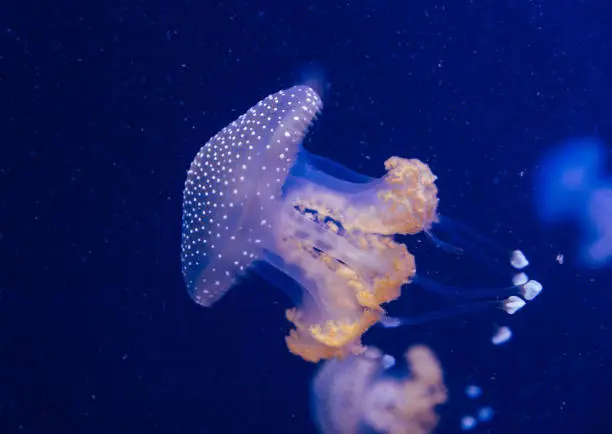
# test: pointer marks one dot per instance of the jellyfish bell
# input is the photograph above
(233, 186)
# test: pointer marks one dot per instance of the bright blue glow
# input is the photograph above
(572, 185)
(473, 391)
(485, 414)
(468, 423)
(313, 75)
(597, 247)
(566, 177)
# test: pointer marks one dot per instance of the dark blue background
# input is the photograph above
(104, 104)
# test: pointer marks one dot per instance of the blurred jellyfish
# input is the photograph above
(597, 250)
(356, 395)
(572, 186)
(473, 391)
(567, 176)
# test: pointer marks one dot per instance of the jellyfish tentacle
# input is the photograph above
(469, 293)
(468, 243)
(440, 314)
(444, 245)
(463, 240)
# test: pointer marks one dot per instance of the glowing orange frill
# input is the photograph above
(344, 246)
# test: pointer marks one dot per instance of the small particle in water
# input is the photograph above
(468, 423)
(501, 336)
(388, 361)
(485, 414)
(518, 260)
(473, 391)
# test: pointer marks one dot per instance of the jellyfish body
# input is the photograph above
(572, 186)
(253, 194)
(254, 198)
(356, 395)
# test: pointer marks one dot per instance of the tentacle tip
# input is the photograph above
(520, 279)
(518, 260)
(531, 289)
(501, 336)
(513, 304)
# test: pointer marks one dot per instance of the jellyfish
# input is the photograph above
(255, 199)
(572, 186)
(357, 394)
(566, 176)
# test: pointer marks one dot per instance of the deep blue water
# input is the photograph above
(103, 106)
